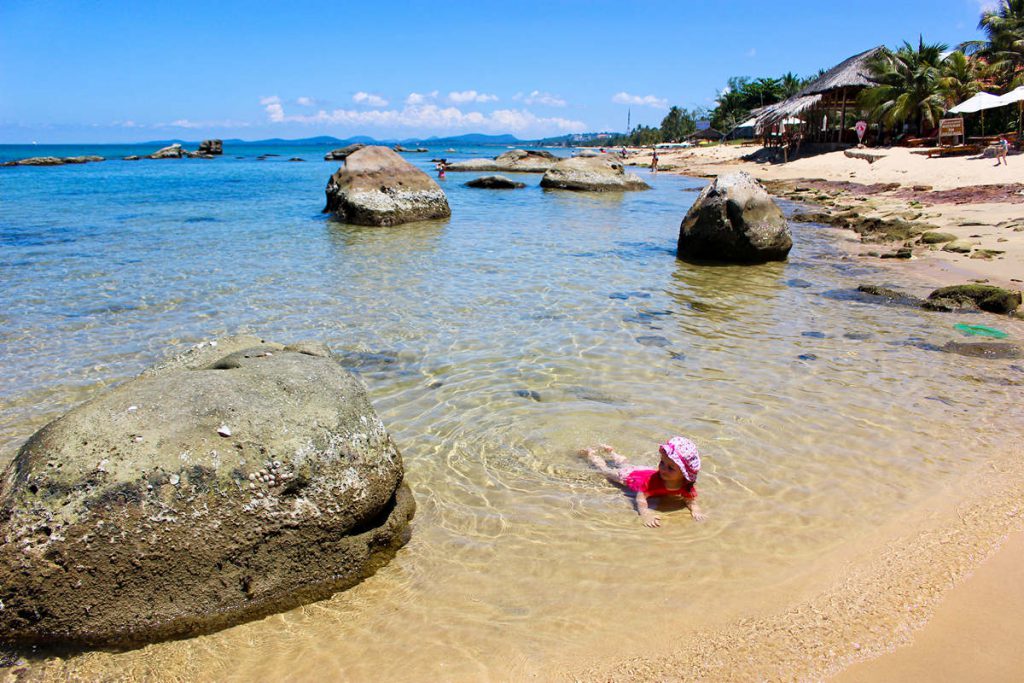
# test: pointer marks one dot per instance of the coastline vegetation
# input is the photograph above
(916, 86)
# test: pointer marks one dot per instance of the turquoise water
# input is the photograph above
(494, 345)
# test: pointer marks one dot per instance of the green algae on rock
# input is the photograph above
(986, 297)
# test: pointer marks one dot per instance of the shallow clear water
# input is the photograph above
(495, 344)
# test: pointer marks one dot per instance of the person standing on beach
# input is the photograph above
(654, 161)
(1002, 149)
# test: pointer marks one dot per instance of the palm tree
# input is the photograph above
(1004, 48)
(909, 85)
(790, 84)
(961, 77)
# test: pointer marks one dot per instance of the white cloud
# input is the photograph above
(428, 117)
(369, 100)
(127, 124)
(420, 98)
(305, 101)
(470, 96)
(642, 101)
(544, 98)
(272, 104)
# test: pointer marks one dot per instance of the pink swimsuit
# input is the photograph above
(649, 483)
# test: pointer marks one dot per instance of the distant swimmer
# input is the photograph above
(441, 167)
(676, 476)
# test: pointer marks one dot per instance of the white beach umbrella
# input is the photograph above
(979, 102)
(1015, 95)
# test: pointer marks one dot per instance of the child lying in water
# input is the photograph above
(676, 476)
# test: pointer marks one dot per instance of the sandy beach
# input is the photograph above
(966, 196)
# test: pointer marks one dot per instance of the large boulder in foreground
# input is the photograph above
(735, 220)
(592, 174)
(378, 187)
(513, 161)
(228, 483)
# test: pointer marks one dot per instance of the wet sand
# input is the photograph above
(974, 635)
(931, 580)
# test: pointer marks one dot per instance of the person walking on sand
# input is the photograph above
(676, 475)
(1002, 149)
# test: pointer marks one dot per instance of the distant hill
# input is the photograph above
(475, 139)
(330, 140)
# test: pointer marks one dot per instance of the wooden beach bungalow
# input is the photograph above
(820, 112)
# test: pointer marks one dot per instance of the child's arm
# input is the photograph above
(646, 516)
(695, 511)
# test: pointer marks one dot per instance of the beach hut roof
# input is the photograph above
(851, 73)
(706, 134)
(785, 109)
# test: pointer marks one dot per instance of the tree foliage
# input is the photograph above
(909, 85)
(1003, 48)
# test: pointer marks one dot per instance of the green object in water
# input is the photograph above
(980, 331)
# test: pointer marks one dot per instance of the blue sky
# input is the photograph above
(135, 71)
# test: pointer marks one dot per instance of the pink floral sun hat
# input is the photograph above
(683, 452)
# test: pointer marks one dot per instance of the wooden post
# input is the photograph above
(842, 117)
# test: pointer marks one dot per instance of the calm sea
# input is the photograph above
(495, 344)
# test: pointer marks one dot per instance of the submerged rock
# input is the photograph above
(228, 483)
(378, 187)
(734, 219)
(986, 297)
(890, 295)
(513, 161)
(592, 174)
(495, 182)
(990, 350)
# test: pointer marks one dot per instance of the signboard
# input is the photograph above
(950, 128)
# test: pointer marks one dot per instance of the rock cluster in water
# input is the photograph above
(592, 174)
(969, 297)
(513, 161)
(378, 187)
(734, 220)
(233, 481)
(52, 161)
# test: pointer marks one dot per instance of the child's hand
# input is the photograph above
(698, 516)
(650, 519)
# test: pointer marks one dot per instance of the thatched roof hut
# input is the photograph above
(832, 92)
(706, 134)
